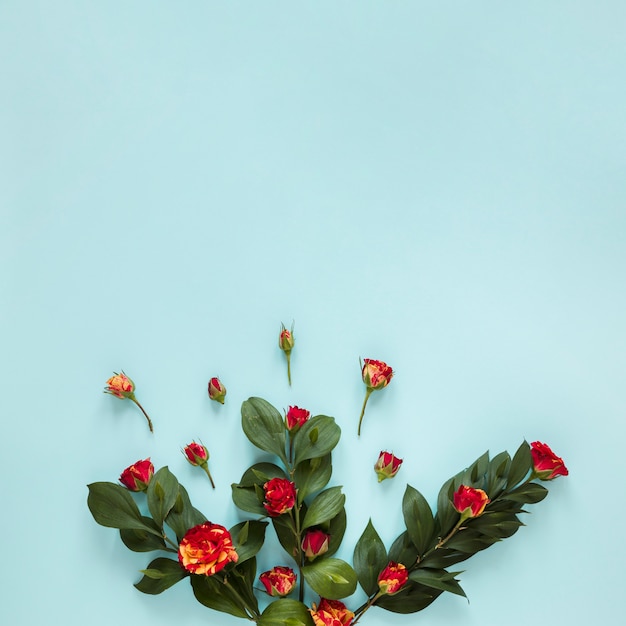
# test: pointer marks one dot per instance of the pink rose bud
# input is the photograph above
(198, 455)
(387, 466)
(547, 465)
(470, 502)
(376, 375)
(393, 578)
(285, 343)
(280, 496)
(122, 387)
(137, 476)
(217, 391)
(331, 613)
(296, 417)
(315, 543)
(279, 581)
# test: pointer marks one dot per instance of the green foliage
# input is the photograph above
(324, 507)
(183, 515)
(160, 575)
(248, 538)
(213, 593)
(370, 557)
(162, 493)
(312, 475)
(316, 438)
(418, 519)
(285, 612)
(248, 493)
(264, 426)
(438, 579)
(330, 578)
(141, 540)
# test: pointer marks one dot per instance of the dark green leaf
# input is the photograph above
(162, 493)
(437, 579)
(520, 465)
(264, 426)
(242, 578)
(141, 540)
(285, 531)
(160, 575)
(446, 516)
(370, 557)
(336, 529)
(529, 493)
(328, 435)
(403, 550)
(330, 578)
(248, 538)
(411, 599)
(183, 515)
(286, 612)
(312, 475)
(470, 541)
(211, 591)
(418, 518)
(497, 476)
(324, 507)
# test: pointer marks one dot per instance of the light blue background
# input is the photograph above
(439, 185)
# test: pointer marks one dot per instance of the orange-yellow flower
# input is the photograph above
(206, 549)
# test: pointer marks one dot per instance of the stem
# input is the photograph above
(361, 610)
(205, 467)
(299, 560)
(254, 614)
(368, 393)
(144, 412)
(288, 355)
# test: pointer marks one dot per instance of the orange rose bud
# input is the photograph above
(217, 391)
(285, 343)
(387, 466)
(376, 375)
(295, 418)
(547, 465)
(137, 476)
(122, 387)
(470, 502)
(315, 543)
(279, 581)
(198, 455)
(393, 578)
(206, 549)
(331, 613)
(280, 496)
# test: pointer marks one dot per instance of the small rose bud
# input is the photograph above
(280, 496)
(122, 387)
(296, 417)
(198, 455)
(285, 343)
(393, 578)
(470, 502)
(547, 465)
(137, 476)
(279, 581)
(376, 375)
(217, 391)
(315, 543)
(387, 466)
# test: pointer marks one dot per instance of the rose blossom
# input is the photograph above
(470, 502)
(279, 581)
(393, 578)
(198, 455)
(137, 476)
(315, 543)
(280, 496)
(376, 375)
(122, 387)
(387, 465)
(331, 613)
(206, 549)
(286, 342)
(296, 417)
(217, 391)
(547, 464)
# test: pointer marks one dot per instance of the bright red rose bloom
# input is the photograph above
(137, 476)
(296, 417)
(280, 496)
(376, 374)
(196, 453)
(393, 578)
(331, 613)
(387, 466)
(315, 543)
(279, 581)
(217, 391)
(547, 464)
(470, 502)
(206, 549)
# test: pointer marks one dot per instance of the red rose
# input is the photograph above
(547, 464)
(137, 476)
(279, 581)
(470, 502)
(196, 453)
(387, 466)
(331, 613)
(376, 374)
(280, 496)
(315, 543)
(217, 391)
(206, 549)
(393, 578)
(120, 386)
(296, 417)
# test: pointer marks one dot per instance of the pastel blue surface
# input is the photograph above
(437, 185)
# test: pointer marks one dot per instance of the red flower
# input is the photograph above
(206, 549)
(387, 466)
(376, 375)
(547, 464)
(393, 578)
(470, 502)
(279, 581)
(280, 496)
(286, 342)
(296, 417)
(137, 476)
(217, 391)
(315, 543)
(331, 613)
(122, 387)
(196, 453)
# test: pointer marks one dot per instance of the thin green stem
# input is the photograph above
(205, 467)
(288, 355)
(362, 609)
(144, 412)
(252, 612)
(368, 393)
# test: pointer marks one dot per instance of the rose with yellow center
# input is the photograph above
(206, 549)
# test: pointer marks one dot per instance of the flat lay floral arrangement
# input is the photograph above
(476, 508)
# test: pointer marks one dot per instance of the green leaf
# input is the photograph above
(529, 493)
(242, 578)
(111, 505)
(470, 541)
(160, 575)
(418, 518)
(139, 540)
(403, 550)
(370, 557)
(312, 475)
(437, 579)
(328, 435)
(286, 533)
(324, 507)
(248, 538)
(212, 592)
(162, 493)
(499, 524)
(264, 426)
(520, 465)
(497, 475)
(446, 514)
(336, 528)
(330, 578)
(411, 599)
(183, 515)
(286, 612)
